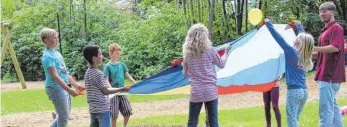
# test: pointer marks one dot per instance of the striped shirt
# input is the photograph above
(202, 75)
(95, 81)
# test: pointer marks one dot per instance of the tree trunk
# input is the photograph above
(199, 11)
(16, 5)
(232, 10)
(59, 34)
(246, 15)
(225, 15)
(239, 15)
(185, 12)
(85, 20)
(237, 9)
(337, 8)
(71, 7)
(260, 4)
(211, 18)
(343, 8)
(192, 11)
(224, 11)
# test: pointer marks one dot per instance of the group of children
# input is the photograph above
(98, 84)
(199, 61)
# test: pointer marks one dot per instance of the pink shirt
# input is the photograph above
(331, 66)
(202, 75)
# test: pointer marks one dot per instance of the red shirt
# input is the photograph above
(331, 66)
(345, 45)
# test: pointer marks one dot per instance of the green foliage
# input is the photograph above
(150, 43)
(151, 36)
(223, 29)
(307, 11)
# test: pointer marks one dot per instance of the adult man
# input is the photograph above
(330, 66)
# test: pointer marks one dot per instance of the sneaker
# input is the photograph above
(70, 118)
(344, 110)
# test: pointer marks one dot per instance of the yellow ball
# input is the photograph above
(255, 16)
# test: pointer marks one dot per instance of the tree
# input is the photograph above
(211, 18)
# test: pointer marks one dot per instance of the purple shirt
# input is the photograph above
(331, 66)
(202, 75)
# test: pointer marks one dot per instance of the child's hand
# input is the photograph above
(73, 92)
(126, 89)
(278, 79)
(80, 93)
(176, 62)
(296, 22)
(228, 47)
(267, 20)
(80, 88)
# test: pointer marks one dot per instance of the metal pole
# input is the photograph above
(59, 34)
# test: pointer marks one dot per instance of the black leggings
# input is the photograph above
(268, 97)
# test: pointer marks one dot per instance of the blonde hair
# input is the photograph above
(304, 50)
(47, 33)
(113, 47)
(196, 41)
(327, 6)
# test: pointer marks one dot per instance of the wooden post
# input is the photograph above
(7, 45)
(4, 47)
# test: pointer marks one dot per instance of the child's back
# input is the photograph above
(202, 74)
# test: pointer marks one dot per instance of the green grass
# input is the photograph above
(247, 117)
(37, 100)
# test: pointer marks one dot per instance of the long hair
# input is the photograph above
(304, 50)
(196, 41)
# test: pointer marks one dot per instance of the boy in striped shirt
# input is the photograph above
(97, 89)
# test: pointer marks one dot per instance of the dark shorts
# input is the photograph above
(120, 104)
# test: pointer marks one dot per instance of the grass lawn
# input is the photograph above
(247, 117)
(37, 100)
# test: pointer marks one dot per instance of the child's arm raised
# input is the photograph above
(53, 72)
(288, 50)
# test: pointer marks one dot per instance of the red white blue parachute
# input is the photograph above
(254, 63)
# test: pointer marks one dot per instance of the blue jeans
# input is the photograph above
(212, 112)
(60, 99)
(295, 102)
(329, 110)
(100, 119)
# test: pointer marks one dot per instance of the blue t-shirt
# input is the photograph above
(295, 76)
(52, 58)
(117, 75)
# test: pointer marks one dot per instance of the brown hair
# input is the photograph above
(327, 6)
(113, 47)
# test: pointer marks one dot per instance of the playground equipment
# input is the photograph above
(6, 29)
